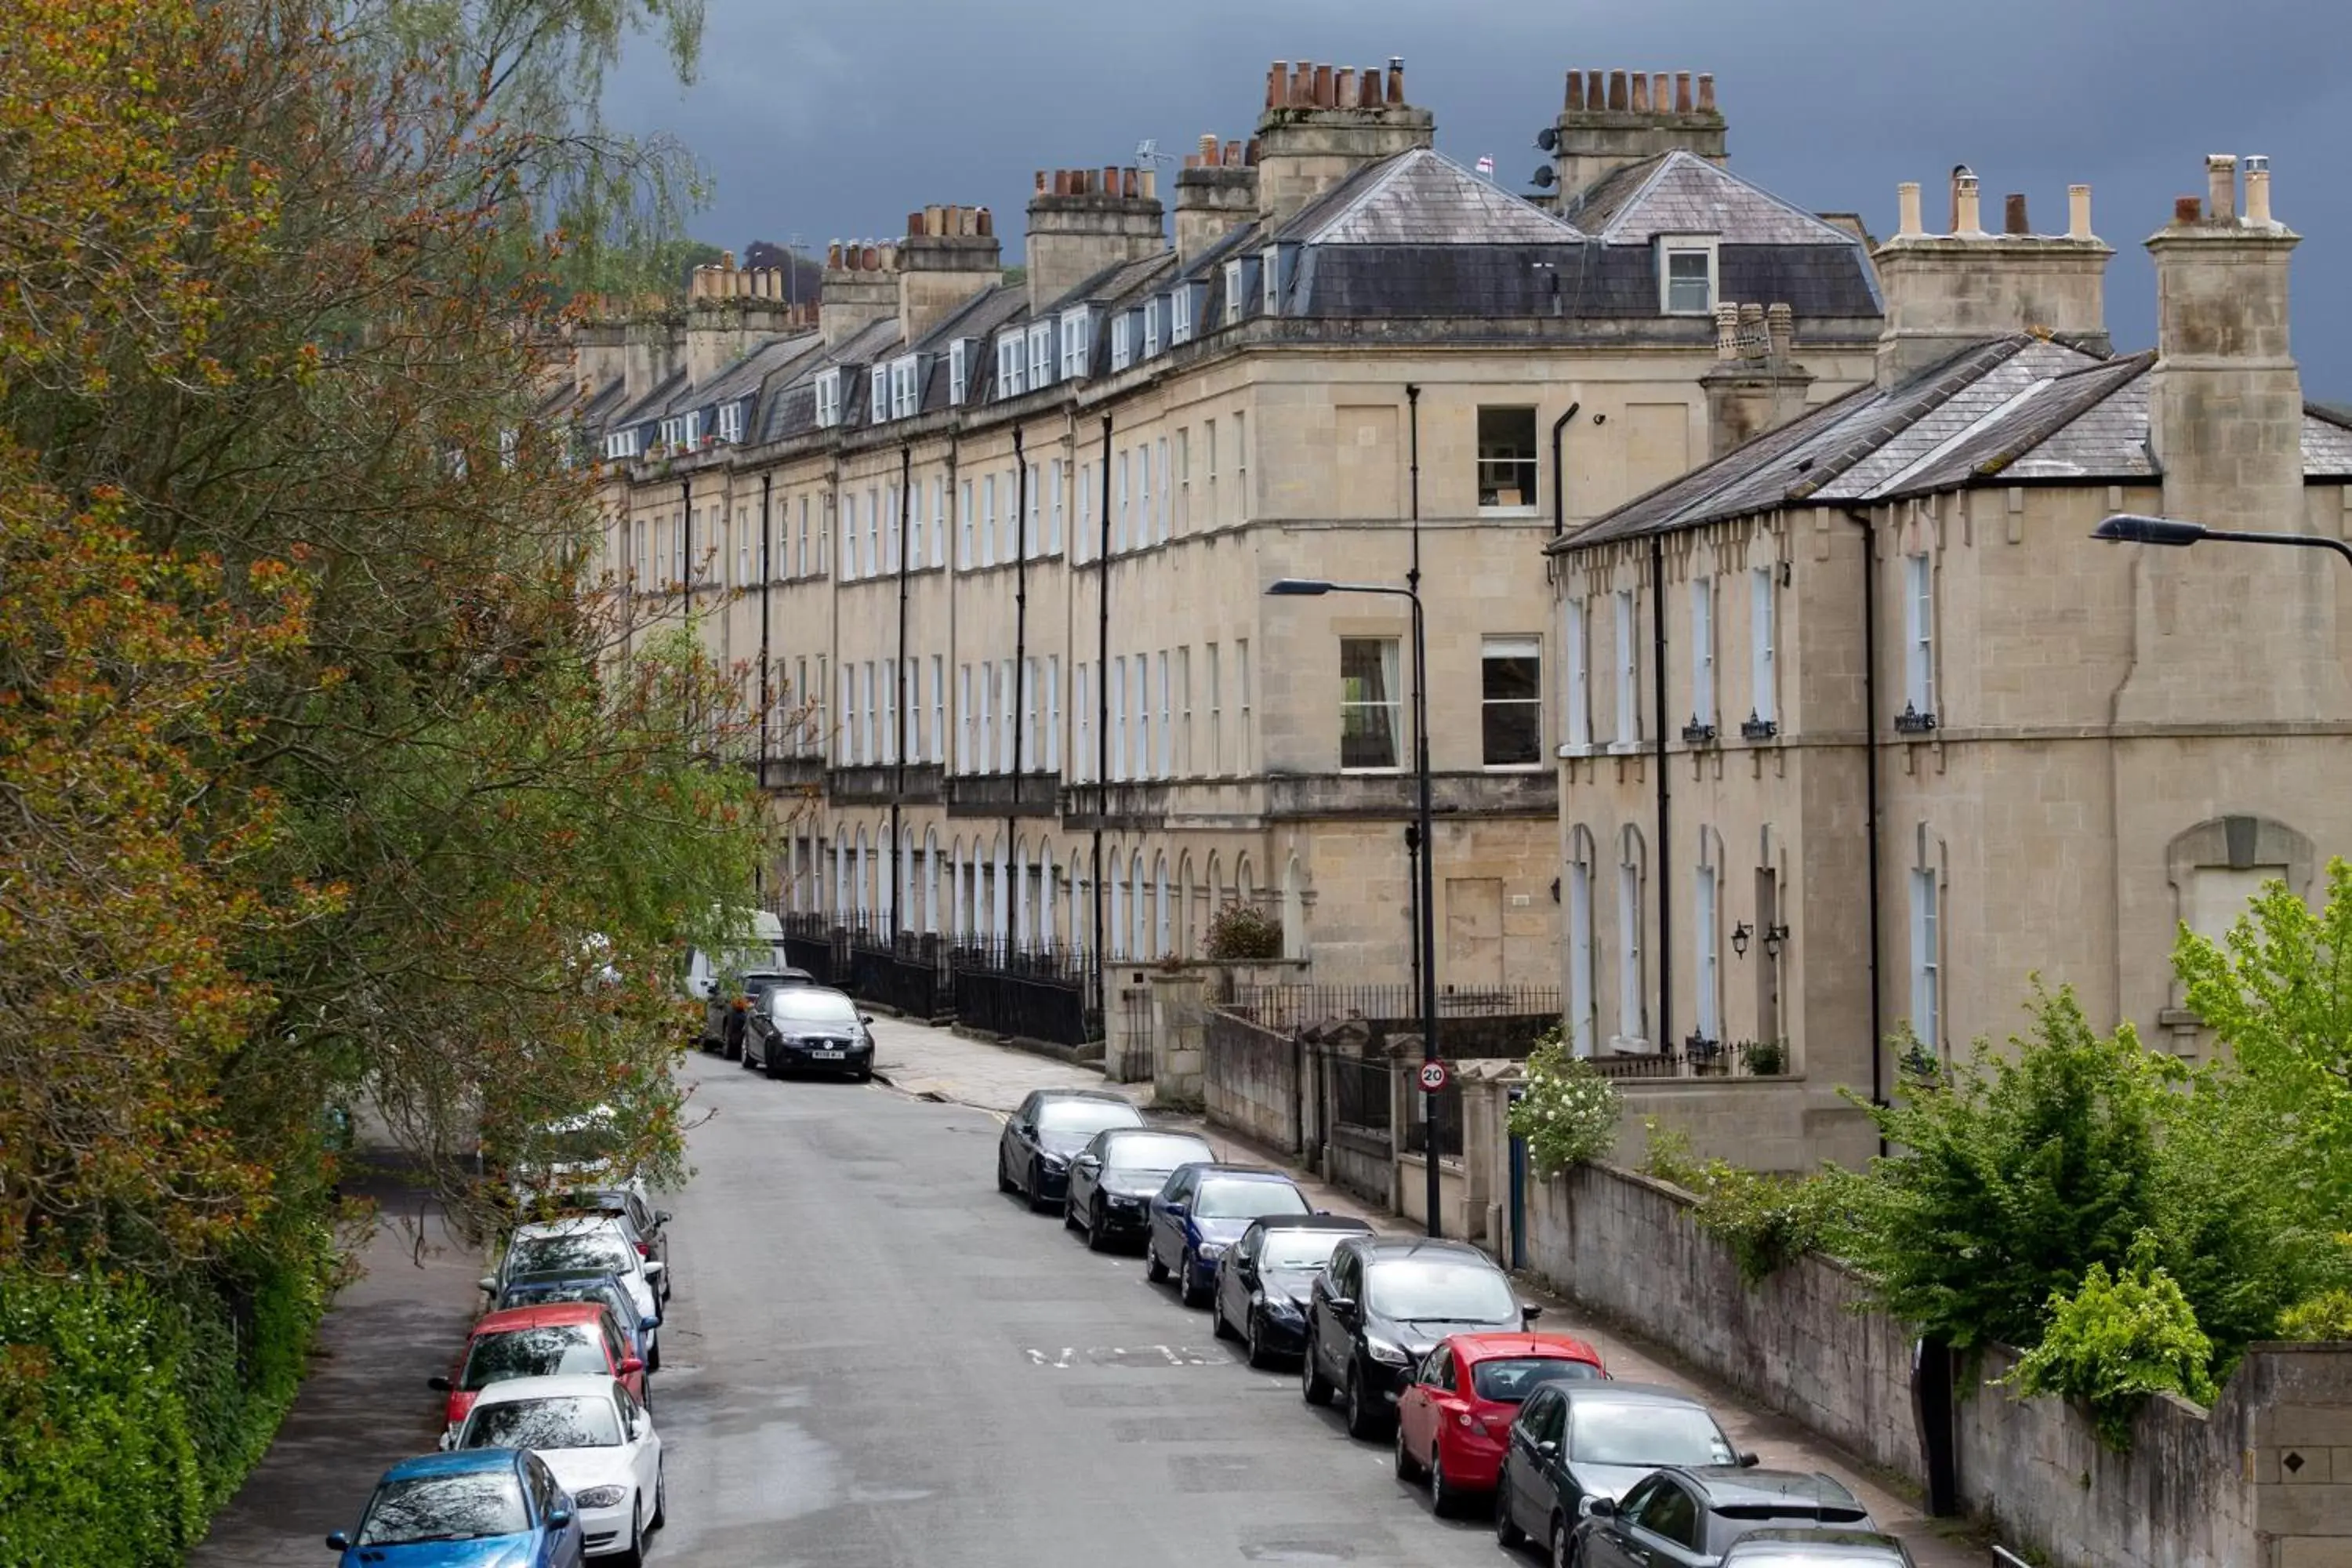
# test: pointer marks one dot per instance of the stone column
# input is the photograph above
(1178, 1026)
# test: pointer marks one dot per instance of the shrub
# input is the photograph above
(2117, 1339)
(1569, 1112)
(2326, 1316)
(1765, 1058)
(1240, 933)
(1766, 1221)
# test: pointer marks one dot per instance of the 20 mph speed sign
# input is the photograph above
(1433, 1077)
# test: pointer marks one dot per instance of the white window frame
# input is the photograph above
(623, 444)
(1576, 679)
(958, 371)
(731, 422)
(1702, 613)
(1082, 713)
(1763, 650)
(1511, 647)
(1165, 761)
(964, 526)
(878, 395)
(1041, 355)
(1269, 278)
(939, 520)
(938, 708)
(1054, 508)
(1580, 997)
(1076, 342)
(1926, 957)
(1629, 674)
(1150, 314)
(1179, 315)
(1142, 669)
(1167, 512)
(828, 398)
(1392, 666)
(1708, 889)
(1670, 245)
(1011, 361)
(1118, 719)
(906, 386)
(964, 713)
(1053, 736)
(1235, 281)
(1122, 336)
(1632, 1009)
(988, 519)
(1919, 634)
(1184, 709)
(1216, 714)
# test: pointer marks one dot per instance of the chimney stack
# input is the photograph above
(948, 256)
(1311, 139)
(1755, 384)
(857, 289)
(1104, 216)
(1213, 197)
(1605, 128)
(1944, 292)
(729, 310)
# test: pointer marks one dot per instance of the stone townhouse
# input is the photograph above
(1004, 544)
(1859, 727)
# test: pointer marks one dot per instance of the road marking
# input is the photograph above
(1126, 1355)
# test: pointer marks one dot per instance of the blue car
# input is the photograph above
(538, 1289)
(1202, 1210)
(477, 1508)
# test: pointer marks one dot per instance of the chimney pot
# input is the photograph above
(2221, 186)
(1209, 150)
(1780, 328)
(1130, 183)
(935, 219)
(1249, 153)
(1148, 183)
(2258, 190)
(727, 259)
(833, 255)
(2078, 212)
(917, 224)
(1301, 92)
(1323, 98)
(1278, 83)
(1343, 88)
(1682, 92)
(1906, 202)
(1575, 102)
(1726, 332)
(1617, 91)
(1968, 216)
(1110, 180)
(2188, 210)
(1641, 85)
(2012, 214)
(1192, 160)
(1706, 93)
(1232, 158)
(1396, 81)
(1752, 341)
(983, 225)
(1661, 86)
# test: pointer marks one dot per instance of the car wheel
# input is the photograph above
(1507, 1533)
(653, 1356)
(634, 1555)
(769, 1065)
(1564, 1553)
(661, 1495)
(1097, 1237)
(1444, 1499)
(1363, 1421)
(1004, 1184)
(1258, 1356)
(865, 1075)
(1217, 1324)
(1408, 1469)
(1312, 1386)
(1187, 1292)
(1036, 1186)
(1153, 1270)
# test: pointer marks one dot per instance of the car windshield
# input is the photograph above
(1611, 1432)
(800, 1005)
(598, 1249)
(1086, 1116)
(570, 1421)
(534, 1352)
(1507, 1380)
(1229, 1199)
(1414, 1288)
(747, 960)
(1155, 1152)
(1287, 1248)
(443, 1508)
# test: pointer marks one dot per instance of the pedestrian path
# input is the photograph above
(920, 1059)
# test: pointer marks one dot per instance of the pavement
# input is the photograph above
(875, 1360)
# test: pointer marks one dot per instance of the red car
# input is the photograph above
(1454, 1419)
(557, 1338)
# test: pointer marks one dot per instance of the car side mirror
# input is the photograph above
(339, 1540)
(1177, 1205)
(448, 1440)
(646, 1325)
(631, 1365)
(488, 1284)
(1546, 1447)
(1601, 1507)
(1750, 1461)
(655, 1267)
(865, 1017)
(661, 1217)
(1089, 1161)
(1343, 1308)
(1528, 1313)
(559, 1519)
(438, 1383)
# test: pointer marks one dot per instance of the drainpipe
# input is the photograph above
(1665, 791)
(1102, 717)
(1020, 678)
(767, 573)
(898, 677)
(1870, 798)
(1413, 847)
(685, 587)
(1558, 486)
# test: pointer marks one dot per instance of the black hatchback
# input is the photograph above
(1380, 1306)
(809, 1028)
(1265, 1279)
(1044, 1134)
(1689, 1518)
(1575, 1446)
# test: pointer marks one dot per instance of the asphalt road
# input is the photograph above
(874, 1360)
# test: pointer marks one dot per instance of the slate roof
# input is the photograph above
(1423, 197)
(2009, 409)
(1681, 192)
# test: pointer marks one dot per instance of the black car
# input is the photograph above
(1685, 1518)
(1382, 1305)
(1264, 1280)
(1117, 1175)
(728, 1014)
(809, 1028)
(1041, 1139)
(1576, 1443)
(1803, 1548)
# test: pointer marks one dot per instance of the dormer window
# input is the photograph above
(828, 398)
(1179, 315)
(1041, 355)
(622, 446)
(730, 421)
(1686, 274)
(958, 371)
(1077, 344)
(1122, 352)
(1270, 269)
(906, 386)
(1150, 329)
(1011, 361)
(690, 430)
(877, 395)
(1234, 288)
(671, 432)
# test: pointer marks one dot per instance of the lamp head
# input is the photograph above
(1297, 588)
(2130, 528)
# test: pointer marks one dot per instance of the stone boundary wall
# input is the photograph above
(1250, 1079)
(2261, 1480)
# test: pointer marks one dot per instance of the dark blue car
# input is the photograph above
(1202, 1210)
(477, 1508)
(538, 1289)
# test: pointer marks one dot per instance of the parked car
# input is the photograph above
(1046, 1133)
(559, 1338)
(1454, 1419)
(1578, 1443)
(1778, 1548)
(1118, 1173)
(640, 1220)
(733, 1001)
(755, 941)
(1689, 1518)
(573, 1285)
(597, 1440)
(461, 1510)
(1201, 1211)
(585, 1244)
(1264, 1279)
(809, 1028)
(1380, 1307)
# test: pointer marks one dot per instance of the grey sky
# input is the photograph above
(833, 122)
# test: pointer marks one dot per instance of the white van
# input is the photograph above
(760, 937)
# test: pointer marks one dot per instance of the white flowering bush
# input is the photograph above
(1568, 1113)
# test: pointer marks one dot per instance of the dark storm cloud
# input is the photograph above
(835, 121)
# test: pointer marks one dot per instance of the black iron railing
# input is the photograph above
(1360, 1094)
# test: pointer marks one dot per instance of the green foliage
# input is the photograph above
(2117, 1339)
(1569, 1112)
(2326, 1316)
(1765, 1058)
(1768, 1221)
(1242, 932)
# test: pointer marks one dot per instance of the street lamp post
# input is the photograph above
(1426, 936)
(2131, 528)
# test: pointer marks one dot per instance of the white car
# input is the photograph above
(587, 1244)
(600, 1443)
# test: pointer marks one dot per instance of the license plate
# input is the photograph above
(828, 1055)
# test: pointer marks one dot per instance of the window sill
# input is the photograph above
(1534, 767)
(1627, 749)
(1387, 773)
(1629, 1046)
(1577, 749)
(1510, 511)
